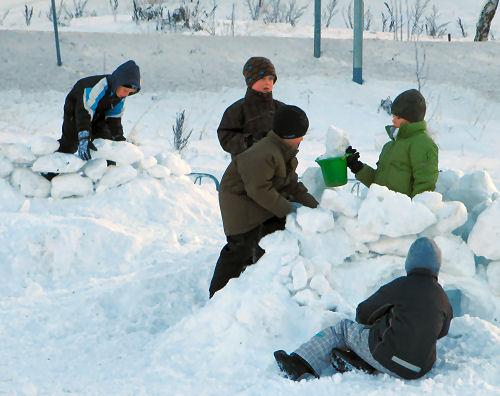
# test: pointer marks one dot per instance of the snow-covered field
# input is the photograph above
(107, 293)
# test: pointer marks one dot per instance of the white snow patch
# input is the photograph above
(17, 153)
(58, 163)
(116, 176)
(123, 153)
(43, 145)
(71, 185)
(6, 167)
(95, 168)
(174, 162)
(29, 183)
(484, 237)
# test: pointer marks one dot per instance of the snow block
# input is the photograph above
(116, 176)
(43, 145)
(392, 246)
(484, 237)
(58, 163)
(6, 167)
(313, 180)
(174, 162)
(10, 199)
(493, 274)
(472, 189)
(336, 142)
(95, 168)
(159, 171)
(315, 220)
(29, 183)
(17, 153)
(448, 179)
(341, 201)
(123, 153)
(147, 163)
(457, 258)
(71, 185)
(389, 213)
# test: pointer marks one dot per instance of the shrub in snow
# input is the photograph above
(159, 171)
(71, 185)
(123, 153)
(389, 213)
(17, 153)
(95, 168)
(29, 183)
(58, 163)
(43, 145)
(472, 189)
(174, 162)
(5, 167)
(493, 274)
(116, 176)
(484, 237)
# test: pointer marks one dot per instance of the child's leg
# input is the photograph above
(68, 143)
(235, 256)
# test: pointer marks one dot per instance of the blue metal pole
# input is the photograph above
(317, 28)
(357, 64)
(56, 32)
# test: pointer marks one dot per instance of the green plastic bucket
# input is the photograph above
(334, 170)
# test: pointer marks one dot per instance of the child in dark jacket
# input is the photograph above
(249, 119)
(94, 107)
(397, 327)
(258, 190)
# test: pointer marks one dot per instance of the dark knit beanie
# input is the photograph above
(409, 105)
(258, 67)
(424, 253)
(290, 122)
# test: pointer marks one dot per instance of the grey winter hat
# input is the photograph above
(409, 105)
(290, 122)
(258, 67)
(424, 253)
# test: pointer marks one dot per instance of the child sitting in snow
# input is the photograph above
(408, 163)
(397, 327)
(258, 190)
(249, 119)
(94, 107)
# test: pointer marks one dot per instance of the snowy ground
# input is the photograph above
(108, 293)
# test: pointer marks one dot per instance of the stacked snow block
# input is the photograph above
(344, 250)
(23, 165)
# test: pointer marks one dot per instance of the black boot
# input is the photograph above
(294, 366)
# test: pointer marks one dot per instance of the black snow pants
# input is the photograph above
(241, 251)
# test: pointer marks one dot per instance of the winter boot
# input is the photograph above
(294, 366)
(343, 361)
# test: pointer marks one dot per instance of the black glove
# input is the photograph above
(352, 159)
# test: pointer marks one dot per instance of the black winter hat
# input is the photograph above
(409, 105)
(290, 122)
(258, 67)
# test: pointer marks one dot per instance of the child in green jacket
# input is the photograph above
(408, 163)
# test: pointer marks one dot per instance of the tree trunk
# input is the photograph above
(483, 25)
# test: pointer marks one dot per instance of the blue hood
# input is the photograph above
(127, 74)
(424, 253)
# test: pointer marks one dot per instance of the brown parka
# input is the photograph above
(247, 121)
(261, 183)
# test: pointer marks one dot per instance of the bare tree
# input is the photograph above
(2, 18)
(348, 16)
(114, 8)
(415, 17)
(233, 16)
(79, 8)
(389, 20)
(276, 12)
(28, 13)
(421, 68)
(484, 22)
(329, 13)
(181, 136)
(461, 26)
(432, 26)
(255, 7)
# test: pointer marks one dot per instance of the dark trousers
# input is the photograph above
(241, 251)
(68, 143)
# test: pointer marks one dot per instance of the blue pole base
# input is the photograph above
(357, 75)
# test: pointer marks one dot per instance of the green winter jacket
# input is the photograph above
(408, 164)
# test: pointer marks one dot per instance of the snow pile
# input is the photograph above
(82, 178)
(336, 142)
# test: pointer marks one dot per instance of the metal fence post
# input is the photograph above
(357, 65)
(317, 28)
(56, 33)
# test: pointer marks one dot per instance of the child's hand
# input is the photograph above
(352, 159)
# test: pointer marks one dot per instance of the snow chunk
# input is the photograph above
(356, 231)
(58, 163)
(312, 178)
(31, 184)
(341, 201)
(123, 153)
(299, 276)
(472, 189)
(147, 163)
(17, 153)
(174, 162)
(159, 171)
(69, 185)
(394, 247)
(43, 145)
(315, 220)
(10, 199)
(448, 179)
(334, 246)
(6, 167)
(457, 259)
(95, 168)
(336, 142)
(389, 213)
(321, 285)
(484, 237)
(116, 176)
(493, 274)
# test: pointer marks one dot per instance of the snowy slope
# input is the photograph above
(107, 294)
